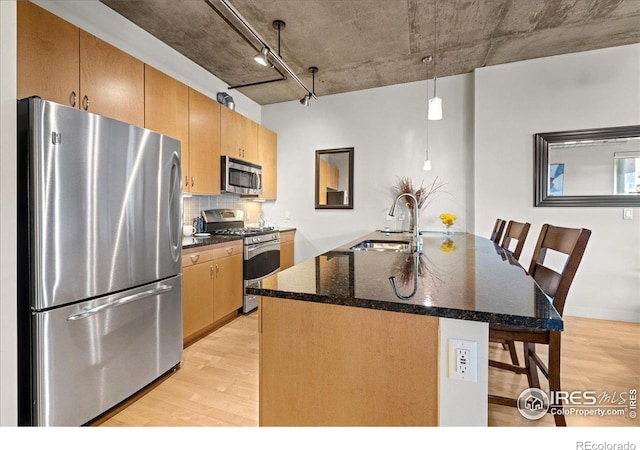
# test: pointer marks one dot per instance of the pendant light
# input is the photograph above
(427, 163)
(435, 104)
(305, 100)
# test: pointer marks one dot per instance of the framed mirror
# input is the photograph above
(596, 167)
(334, 179)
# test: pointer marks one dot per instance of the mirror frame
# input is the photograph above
(349, 151)
(541, 143)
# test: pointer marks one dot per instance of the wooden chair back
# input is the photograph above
(498, 229)
(517, 231)
(572, 242)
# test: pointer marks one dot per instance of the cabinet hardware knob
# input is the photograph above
(229, 250)
(211, 270)
(194, 258)
(85, 103)
(217, 270)
(72, 99)
(186, 181)
(193, 181)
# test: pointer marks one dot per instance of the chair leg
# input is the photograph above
(554, 374)
(532, 368)
(512, 351)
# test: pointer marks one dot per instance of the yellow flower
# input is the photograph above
(447, 246)
(447, 218)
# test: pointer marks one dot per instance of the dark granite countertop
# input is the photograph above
(191, 241)
(460, 276)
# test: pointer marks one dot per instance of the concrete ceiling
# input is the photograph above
(361, 44)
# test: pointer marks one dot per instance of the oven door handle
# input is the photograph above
(256, 249)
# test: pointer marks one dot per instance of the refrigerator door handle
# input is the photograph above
(175, 208)
(120, 301)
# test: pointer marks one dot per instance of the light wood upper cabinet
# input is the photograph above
(268, 159)
(59, 62)
(48, 58)
(204, 144)
(166, 110)
(111, 81)
(238, 136)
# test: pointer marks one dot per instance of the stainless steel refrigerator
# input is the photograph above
(99, 256)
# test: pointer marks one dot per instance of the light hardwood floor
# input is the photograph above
(217, 384)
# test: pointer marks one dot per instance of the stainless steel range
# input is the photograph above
(261, 247)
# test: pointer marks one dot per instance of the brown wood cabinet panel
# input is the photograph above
(204, 143)
(227, 286)
(268, 159)
(166, 110)
(238, 136)
(47, 56)
(346, 366)
(111, 80)
(197, 298)
(286, 255)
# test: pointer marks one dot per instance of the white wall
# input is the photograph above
(8, 213)
(387, 128)
(593, 89)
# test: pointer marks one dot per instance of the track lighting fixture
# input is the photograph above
(262, 57)
(305, 100)
(266, 56)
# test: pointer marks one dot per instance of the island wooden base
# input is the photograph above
(329, 365)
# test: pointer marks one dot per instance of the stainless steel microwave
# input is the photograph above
(240, 177)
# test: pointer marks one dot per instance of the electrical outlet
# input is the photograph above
(287, 215)
(463, 360)
(627, 213)
(389, 217)
(400, 216)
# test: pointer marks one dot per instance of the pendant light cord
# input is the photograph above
(435, 51)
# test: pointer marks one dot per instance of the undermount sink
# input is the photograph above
(384, 246)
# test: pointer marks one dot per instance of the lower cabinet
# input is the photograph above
(286, 249)
(211, 288)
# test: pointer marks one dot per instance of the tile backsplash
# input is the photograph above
(196, 203)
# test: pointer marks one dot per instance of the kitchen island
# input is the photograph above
(363, 338)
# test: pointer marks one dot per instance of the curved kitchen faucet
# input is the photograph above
(417, 240)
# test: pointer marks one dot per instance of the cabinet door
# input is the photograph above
(286, 255)
(166, 110)
(204, 143)
(268, 159)
(227, 286)
(230, 132)
(197, 298)
(111, 81)
(249, 140)
(47, 56)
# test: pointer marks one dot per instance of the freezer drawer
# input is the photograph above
(92, 355)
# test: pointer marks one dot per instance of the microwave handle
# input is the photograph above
(259, 177)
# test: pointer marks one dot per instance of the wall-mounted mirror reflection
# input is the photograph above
(334, 179)
(598, 167)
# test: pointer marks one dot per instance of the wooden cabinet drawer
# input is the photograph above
(196, 255)
(227, 249)
(199, 255)
(287, 236)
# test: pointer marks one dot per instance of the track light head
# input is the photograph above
(261, 58)
(305, 100)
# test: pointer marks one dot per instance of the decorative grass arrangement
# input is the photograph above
(424, 195)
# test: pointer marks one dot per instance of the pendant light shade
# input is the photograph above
(435, 108)
(261, 58)
(427, 165)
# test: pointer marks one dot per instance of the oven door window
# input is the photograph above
(243, 179)
(261, 264)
